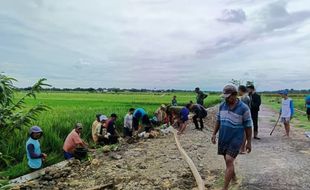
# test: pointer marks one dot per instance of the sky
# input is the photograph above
(156, 44)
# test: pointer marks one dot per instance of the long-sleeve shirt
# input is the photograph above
(287, 108)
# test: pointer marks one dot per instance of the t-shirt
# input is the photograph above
(287, 108)
(200, 97)
(232, 124)
(199, 110)
(72, 140)
(184, 114)
(128, 121)
(245, 99)
(139, 113)
(110, 125)
(174, 102)
(307, 100)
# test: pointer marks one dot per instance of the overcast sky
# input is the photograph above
(159, 44)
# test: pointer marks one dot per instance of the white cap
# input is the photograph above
(103, 118)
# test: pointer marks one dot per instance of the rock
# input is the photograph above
(118, 165)
(95, 162)
(144, 182)
(166, 184)
(106, 148)
(142, 166)
(166, 176)
(116, 156)
(47, 177)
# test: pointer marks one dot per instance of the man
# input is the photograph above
(200, 96)
(233, 121)
(307, 106)
(137, 115)
(244, 97)
(174, 101)
(94, 126)
(128, 123)
(255, 102)
(101, 131)
(200, 113)
(73, 141)
(286, 111)
(111, 129)
(183, 120)
(33, 149)
(161, 114)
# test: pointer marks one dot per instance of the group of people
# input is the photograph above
(236, 116)
(104, 128)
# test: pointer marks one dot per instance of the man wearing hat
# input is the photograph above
(286, 111)
(233, 122)
(255, 102)
(73, 141)
(33, 149)
(101, 131)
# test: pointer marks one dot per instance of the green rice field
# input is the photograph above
(70, 108)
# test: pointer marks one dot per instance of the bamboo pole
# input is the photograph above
(199, 181)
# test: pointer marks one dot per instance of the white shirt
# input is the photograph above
(286, 108)
(128, 121)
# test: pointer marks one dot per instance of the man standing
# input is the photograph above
(200, 96)
(111, 129)
(174, 101)
(200, 113)
(255, 102)
(233, 121)
(307, 106)
(33, 149)
(286, 111)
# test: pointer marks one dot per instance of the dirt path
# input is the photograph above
(276, 163)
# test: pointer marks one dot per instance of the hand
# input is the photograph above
(248, 147)
(213, 139)
(44, 155)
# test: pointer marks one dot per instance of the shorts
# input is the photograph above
(228, 150)
(285, 119)
(68, 155)
(308, 111)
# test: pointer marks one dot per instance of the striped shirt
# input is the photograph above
(232, 123)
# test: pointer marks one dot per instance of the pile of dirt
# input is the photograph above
(148, 164)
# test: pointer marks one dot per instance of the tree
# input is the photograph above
(236, 82)
(12, 113)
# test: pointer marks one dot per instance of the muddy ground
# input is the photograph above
(275, 163)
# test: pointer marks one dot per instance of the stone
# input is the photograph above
(144, 182)
(95, 162)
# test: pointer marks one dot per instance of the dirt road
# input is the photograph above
(276, 162)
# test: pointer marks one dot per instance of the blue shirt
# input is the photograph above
(34, 163)
(184, 114)
(232, 124)
(307, 99)
(139, 113)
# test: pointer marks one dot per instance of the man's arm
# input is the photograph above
(33, 155)
(248, 134)
(216, 129)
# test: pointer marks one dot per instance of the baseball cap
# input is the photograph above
(103, 118)
(229, 90)
(284, 92)
(35, 129)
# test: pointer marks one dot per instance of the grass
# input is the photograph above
(70, 108)
(274, 102)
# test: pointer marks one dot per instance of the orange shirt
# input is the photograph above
(72, 140)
